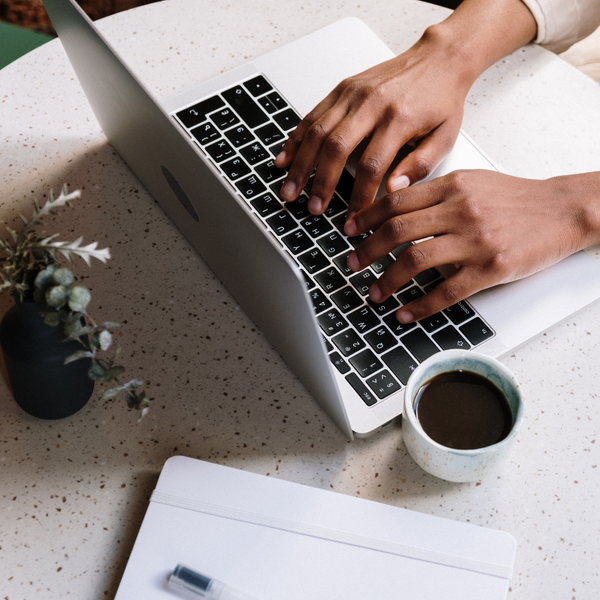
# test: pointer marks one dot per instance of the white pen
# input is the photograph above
(184, 578)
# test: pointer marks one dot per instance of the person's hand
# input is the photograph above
(492, 227)
(415, 98)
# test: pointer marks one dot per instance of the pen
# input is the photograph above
(184, 578)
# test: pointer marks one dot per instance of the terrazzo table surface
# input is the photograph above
(73, 492)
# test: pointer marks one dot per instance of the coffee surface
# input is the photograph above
(463, 410)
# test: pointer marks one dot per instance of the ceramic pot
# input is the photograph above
(34, 355)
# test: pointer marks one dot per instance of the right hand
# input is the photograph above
(416, 98)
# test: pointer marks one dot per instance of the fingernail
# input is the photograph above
(288, 190)
(399, 183)
(315, 205)
(280, 157)
(350, 228)
(405, 316)
(375, 293)
(353, 263)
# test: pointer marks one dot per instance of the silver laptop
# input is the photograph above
(206, 156)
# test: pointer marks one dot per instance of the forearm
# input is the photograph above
(479, 33)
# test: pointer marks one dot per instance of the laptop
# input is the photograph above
(206, 156)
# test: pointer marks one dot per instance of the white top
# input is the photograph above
(562, 23)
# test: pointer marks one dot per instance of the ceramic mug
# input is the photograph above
(449, 463)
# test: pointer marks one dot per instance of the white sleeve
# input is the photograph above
(561, 23)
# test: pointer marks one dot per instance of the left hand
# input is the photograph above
(493, 228)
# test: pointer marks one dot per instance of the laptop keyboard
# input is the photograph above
(241, 130)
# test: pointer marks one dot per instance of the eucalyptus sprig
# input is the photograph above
(30, 268)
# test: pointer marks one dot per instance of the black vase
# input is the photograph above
(34, 355)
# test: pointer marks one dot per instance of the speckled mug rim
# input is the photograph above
(449, 360)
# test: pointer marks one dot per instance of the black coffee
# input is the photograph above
(463, 410)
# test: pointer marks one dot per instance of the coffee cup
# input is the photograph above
(471, 404)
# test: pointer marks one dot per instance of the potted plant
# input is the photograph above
(54, 350)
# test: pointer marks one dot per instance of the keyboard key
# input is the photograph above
(239, 136)
(220, 151)
(332, 322)
(449, 339)
(459, 313)
(266, 205)
(320, 300)
(297, 241)
(358, 239)
(339, 363)
(196, 114)
(382, 308)
(426, 277)
(330, 280)
(277, 100)
(332, 244)
(287, 119)
(361, 389)
(345, 185)
(254, 153)
(282, 223)
(317, 225)
(346, 299)
(314, 260)
(267, 105)
(400, 362)
(235, 168)
(381, 339)
(476, 331)
(379, 266)
(269, 134)
(433, 323)
(383, 384)
(258, 86)
(366, 363)
(364, 319)
(224, 118)
(363, 281)
(419, 345)
(341, 262)
(206, 133)
(336, 205)
(299, 207)
(396, 327)
(348, 342)
(276, 149)
(251, 186)
(410, 294)
(269, 172)
(310, 284)
(245, 106)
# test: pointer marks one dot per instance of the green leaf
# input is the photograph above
(54, 317)
(105, 340)
(79, 298)
(113, 372)
(110, 325)
(77, 333)
(57, 295)
(111, 393)
(77, 356)
(64, 276)
(45, 278)
(96, 372)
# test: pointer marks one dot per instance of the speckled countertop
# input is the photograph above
(73, 492)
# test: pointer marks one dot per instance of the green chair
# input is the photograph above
(17, 41)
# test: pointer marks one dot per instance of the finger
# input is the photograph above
(428, 154)
(373, 165)
(446, 249)
(295, 138)
(335, 152)
(463, 284)
(309, 151)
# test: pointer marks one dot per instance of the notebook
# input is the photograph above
(279, 539)
(206, 156)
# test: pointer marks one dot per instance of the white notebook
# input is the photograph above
(276, 540)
